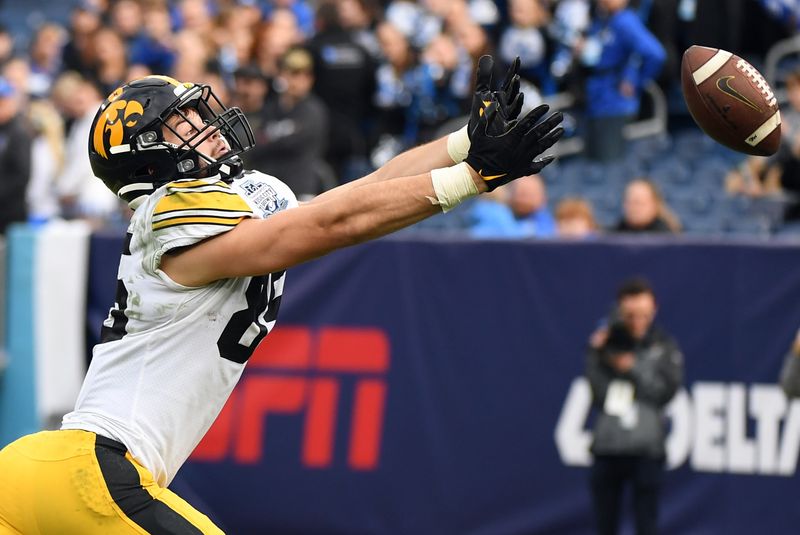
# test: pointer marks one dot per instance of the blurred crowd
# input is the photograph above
(335, 88)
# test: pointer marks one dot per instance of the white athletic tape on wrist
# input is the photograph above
(453, 185)
(458, 145)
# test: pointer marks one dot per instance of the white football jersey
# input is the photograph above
(170, 355)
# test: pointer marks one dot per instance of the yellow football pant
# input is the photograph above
(76, 482)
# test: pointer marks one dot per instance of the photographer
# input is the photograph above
(634, 369)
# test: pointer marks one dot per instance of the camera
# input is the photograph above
(619, 338)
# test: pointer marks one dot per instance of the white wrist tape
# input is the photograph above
(453, 185)
(458, 144)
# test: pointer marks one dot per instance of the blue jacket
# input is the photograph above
(492, 219)
(629, 53)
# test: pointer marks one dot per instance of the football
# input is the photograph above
(730, 101)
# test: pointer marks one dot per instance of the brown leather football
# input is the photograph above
(730, 101)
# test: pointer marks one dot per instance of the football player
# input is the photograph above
(200, 282)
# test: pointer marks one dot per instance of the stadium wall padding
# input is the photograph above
(46, 314)
(17, 382)
(434, 386)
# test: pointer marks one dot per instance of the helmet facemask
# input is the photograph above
(229, 123)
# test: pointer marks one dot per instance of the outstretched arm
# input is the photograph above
(258, 246)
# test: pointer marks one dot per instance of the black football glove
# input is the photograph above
(508, 96)
(499, 159)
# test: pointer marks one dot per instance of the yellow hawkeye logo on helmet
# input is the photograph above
(118, 115)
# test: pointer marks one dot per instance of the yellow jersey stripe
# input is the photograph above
(206, 200)
(177, 221)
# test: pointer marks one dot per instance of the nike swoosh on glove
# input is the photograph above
(499, 159)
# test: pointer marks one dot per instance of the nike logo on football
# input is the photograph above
(724, 85)
(490, 177)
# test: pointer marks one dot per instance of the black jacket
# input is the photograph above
(656, 377)
(290, 144)
(15, 171)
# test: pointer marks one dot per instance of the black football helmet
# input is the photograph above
(127, 149)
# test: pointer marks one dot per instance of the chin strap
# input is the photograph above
(231, 169)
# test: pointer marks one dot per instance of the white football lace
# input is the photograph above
(759, 80)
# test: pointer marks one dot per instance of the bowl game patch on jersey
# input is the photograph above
(264, 193)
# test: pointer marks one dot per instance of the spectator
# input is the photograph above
(45, 58)
(279, 33)
(490, 217)
(452, 73)
(235, 36)
(634, 369)
(302, 13)
(644, 210)
(213, 76)
(528, 202)
(81, 194)
(359, 17)
(15, 157)
(415, 95)
(570, 21)
(393, 92)
(192, 55)
(790, 373)
(575, 218)
(78, 53)
(291, 142)
(6, 44)
(484, 12)
(344, 74)
(418, 24)
(195, 15)
(126, 19)
(519, 211)
(155, 46)
(111, 60)
(17, 71)
(250, 90)
(47, 161)
(524, 39)
(475, 42)
(620, 56)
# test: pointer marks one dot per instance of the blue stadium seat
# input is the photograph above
(570, 174)
(607, 206)
(691, 145)
(650, 148)
(670, 170)
(625, 170)
(699, 212)
(711, 170)
(772, 208)
(749, 225)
